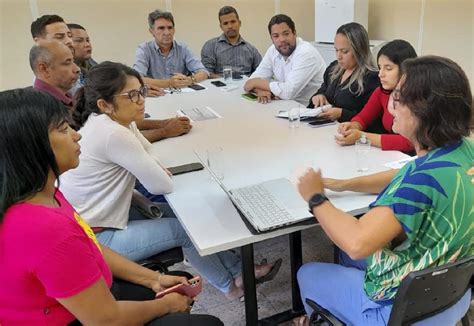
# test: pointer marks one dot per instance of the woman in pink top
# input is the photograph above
(389, 59)
(53, 270)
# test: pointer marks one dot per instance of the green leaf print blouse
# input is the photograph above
(432, 197)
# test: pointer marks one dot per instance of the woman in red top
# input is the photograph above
(389, 59)
(54, 271)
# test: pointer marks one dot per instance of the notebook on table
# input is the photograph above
(305, 113)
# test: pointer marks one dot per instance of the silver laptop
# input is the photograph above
(268, 205)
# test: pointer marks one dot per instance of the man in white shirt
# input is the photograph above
(295, 66)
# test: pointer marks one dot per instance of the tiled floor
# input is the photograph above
(274, 296)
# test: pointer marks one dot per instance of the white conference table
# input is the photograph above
(257, 147)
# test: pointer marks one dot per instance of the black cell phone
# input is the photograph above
(218, 83)
(180, 169)
(196, 87)
(320, 122)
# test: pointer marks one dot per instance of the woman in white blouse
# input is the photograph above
(115, 154)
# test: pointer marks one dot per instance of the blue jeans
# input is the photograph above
(340, 289)
(145, 237)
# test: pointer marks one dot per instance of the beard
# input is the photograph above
(287, 53)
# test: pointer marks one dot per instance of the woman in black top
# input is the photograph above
(350, 80)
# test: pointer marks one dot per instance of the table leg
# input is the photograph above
(248, 276)
(297, 308)
(296, 257)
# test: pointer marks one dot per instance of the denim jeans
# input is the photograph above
(340, 289)
(145, 237)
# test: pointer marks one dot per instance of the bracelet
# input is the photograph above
(193, 79)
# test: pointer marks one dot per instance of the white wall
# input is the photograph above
(448, 28)
(118, 26)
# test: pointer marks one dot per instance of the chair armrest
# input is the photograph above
(322, 313)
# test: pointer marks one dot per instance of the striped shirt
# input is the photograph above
(219, 52)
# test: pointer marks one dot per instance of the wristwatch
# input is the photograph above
(316, 200)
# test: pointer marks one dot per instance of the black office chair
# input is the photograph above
(162, 261)
(422, 294)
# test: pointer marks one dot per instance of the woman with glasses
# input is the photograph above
(350, 80)
(53, 270)
(390, 59)
(423, 215)
(114, 155)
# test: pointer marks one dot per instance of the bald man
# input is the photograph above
(53, 64)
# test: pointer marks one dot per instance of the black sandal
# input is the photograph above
(271, 274)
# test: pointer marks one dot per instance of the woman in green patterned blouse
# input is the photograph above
(423, 216)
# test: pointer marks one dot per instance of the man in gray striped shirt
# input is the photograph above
(229, 49)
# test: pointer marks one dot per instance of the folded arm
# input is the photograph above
(81, 287)
(127, 270)
(154, 130)
(96, 306)
(132, 154)
(259, 79)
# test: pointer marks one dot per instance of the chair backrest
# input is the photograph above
(430, 291)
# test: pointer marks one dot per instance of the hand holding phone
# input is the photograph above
(190, 290)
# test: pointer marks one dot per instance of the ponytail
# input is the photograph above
(82, 108)
(103, 81)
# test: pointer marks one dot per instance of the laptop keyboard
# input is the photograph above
(261, 206)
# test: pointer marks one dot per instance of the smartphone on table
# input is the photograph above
(218, 83)
(175, 170)
(320, 123)
(196, 87)
(250, 96)
(190, 290)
